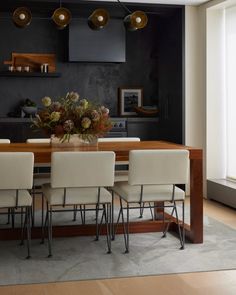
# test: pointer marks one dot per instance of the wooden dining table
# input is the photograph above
(194, 230)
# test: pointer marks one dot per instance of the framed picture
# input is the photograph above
(128, 99)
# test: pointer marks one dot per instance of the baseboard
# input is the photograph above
(222, 190)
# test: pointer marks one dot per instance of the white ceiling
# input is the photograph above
(179, 2)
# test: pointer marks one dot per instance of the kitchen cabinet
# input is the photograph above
(18, 129)
(144, 128)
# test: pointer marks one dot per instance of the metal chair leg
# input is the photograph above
(115, 226)
(141, 209)
(112, 217)
(13, 217)
(100, 224)
(28, 214)
(124, 227)
(168, 224)
(179, 229)
(8, 216)
(42, 221)
(33, 206)
(82, 213)
(22, 226)
(127, 229)
(183, 227)
(150, 207)
(106, 214)
(50, 232)
(75, 213)
(97, 228)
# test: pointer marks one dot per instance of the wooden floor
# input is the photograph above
(217, 282)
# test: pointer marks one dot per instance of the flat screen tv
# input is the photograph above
(105, 45)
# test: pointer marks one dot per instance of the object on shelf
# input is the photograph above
(146, 111)
(33, 61)
(29, 107)
(29, 111)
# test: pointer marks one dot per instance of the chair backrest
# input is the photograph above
(82, 169)
(5, 140)
(158, 167)
(117, 139)
(16, 170)
(38, 140)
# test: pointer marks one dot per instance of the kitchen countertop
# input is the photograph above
(27, 120)
(14, 120)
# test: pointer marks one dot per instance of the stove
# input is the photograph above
(119, 128)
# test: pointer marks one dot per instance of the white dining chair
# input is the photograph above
(118, 139)
(120, 175)
(3, 140)
(39, 177)
(76, 179)
(38, 140)
(153, 176)
(16, 178)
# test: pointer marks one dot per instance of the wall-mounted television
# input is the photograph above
(105, 45)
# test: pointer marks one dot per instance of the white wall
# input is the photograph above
(195, 81)
(201, 93)
(216, 137)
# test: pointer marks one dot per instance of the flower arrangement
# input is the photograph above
(71, 115)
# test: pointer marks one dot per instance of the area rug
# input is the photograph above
(81, 258)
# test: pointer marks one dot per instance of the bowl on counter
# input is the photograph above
(30, 111)
(146, 111)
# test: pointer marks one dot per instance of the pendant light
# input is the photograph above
(22, 17)
(98, 19)
(61, 17)
(136, 20)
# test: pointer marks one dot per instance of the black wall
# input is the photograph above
(95, 81)
(154, 55)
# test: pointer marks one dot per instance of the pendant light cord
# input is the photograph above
(124, 7)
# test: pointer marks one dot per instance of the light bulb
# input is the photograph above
(22, 16)
(100, 18)
(138, 20)
(61, 17)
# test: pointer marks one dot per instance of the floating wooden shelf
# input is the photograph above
(30, 74)
(33, 60)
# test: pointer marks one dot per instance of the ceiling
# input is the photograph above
(163, 8)
(177, 2)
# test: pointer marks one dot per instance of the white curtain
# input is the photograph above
(230, 90)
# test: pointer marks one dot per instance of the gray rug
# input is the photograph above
(82, 258)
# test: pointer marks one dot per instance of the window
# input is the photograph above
(230, 71)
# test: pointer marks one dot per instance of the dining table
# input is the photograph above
(194, 228)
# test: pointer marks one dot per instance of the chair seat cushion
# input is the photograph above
(151, 193)
(8, 198)
(75, 196)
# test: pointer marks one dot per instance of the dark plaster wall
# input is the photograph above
(95, 81)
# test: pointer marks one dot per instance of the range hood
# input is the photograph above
(105, 45)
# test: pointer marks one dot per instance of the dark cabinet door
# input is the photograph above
(11, 130)
(18, 131)
(144, 128)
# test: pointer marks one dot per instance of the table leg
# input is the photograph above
(196, 201)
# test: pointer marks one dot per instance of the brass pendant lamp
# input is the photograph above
(61, 16)
(136, 20)
(98, 19)
(22, 17)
